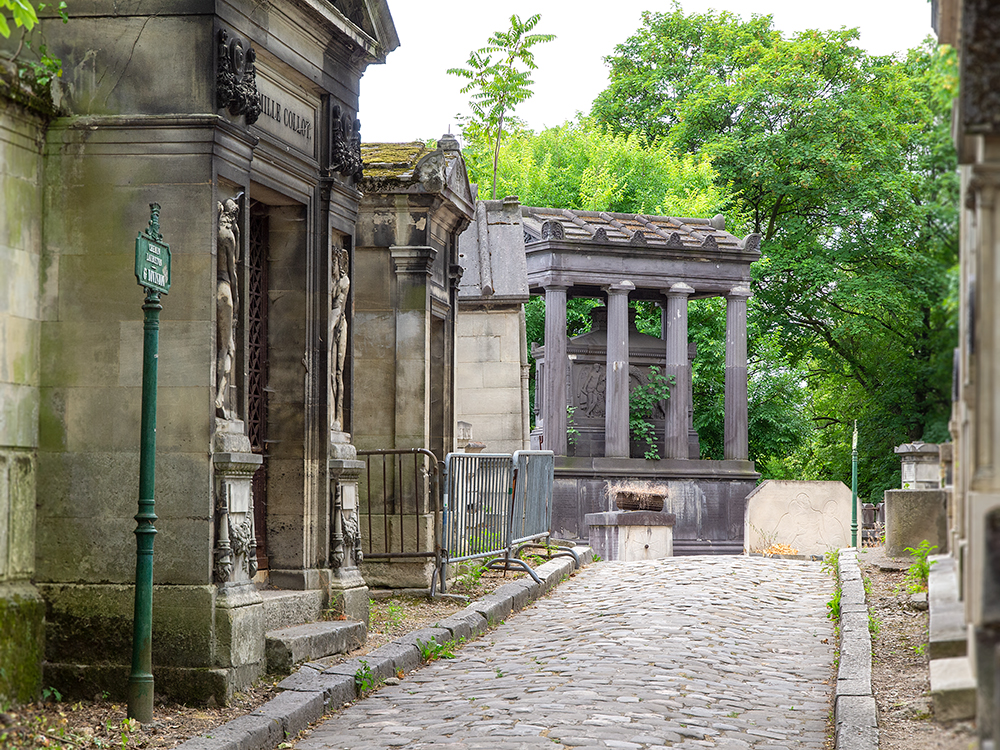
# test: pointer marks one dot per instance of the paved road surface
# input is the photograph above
(686, 652)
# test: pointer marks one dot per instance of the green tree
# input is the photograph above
(583, 165)
(842, 161)
(498, 78)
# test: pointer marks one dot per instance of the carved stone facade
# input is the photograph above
(232, 134)
(972, 27)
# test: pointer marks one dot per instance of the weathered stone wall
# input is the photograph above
(488, 391)
(21, 610)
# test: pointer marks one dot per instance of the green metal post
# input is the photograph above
(854, 487)
(140, 682)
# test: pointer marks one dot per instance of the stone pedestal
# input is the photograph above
(239, 608)
(348, 590)
(632, 535)
(912, 516)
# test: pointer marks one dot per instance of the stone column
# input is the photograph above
(679, 367)
(554, 416)
(616, 412)
(737, 419)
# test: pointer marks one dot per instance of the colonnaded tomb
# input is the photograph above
(618, 258)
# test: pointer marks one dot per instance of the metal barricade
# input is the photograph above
(399, 489)
(494, 503)
(476, 503)
(531, 515)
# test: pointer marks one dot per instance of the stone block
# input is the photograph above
(22, 628)
(289, 646)
(631, 535)
(294, 710)
(856, 723)
(21, 350)
(249, 732)
(494, 608)
(466, 624)
(186, 355)
(521, 593)
(20, 406)
(284, 608)
(953, 689)
(438, 635)
(337, 689)
(812, 517)
(947, 634)
(240, 638)
(93, 624)
(912, 516)
(403, 656)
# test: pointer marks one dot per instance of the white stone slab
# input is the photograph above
(812, 517)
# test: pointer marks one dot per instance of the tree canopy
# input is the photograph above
(843, 162)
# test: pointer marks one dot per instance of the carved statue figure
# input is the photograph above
(226, 300)
(338, 336)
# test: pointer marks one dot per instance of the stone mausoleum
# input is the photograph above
(618, 258)
(239, 119)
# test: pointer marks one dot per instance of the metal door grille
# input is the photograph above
(257, 373)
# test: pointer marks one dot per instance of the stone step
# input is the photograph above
(284, 608)
(953, 689)
(286, 647)
(948, 637)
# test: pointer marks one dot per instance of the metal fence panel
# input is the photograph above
(531, 514)
(398, 489)
(476, 504)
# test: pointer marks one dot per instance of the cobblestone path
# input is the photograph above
(686, 652)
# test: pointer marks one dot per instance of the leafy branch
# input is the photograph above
(38, 74)
(498, 78)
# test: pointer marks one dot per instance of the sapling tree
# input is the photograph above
(498, 78)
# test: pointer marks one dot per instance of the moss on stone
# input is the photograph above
(391, 160)
(22, 614)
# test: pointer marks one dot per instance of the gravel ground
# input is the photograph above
(900, 671)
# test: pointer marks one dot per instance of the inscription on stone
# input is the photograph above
(287, 113)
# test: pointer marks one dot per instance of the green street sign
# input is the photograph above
(152, 255)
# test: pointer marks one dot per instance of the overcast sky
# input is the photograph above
(412, 97)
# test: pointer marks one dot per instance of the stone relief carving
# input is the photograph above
(226, 300)
(341, 283)
(236, 80)
(352, 536)
(345, 541)
(244, 543)
(345, 144)
(590, 397)
(591, 387)
(235, 543)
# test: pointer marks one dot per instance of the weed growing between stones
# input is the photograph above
(432, 650)
(920, 569)
(364, 679)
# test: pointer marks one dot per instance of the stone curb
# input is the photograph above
(311, 690)
(855, 713)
